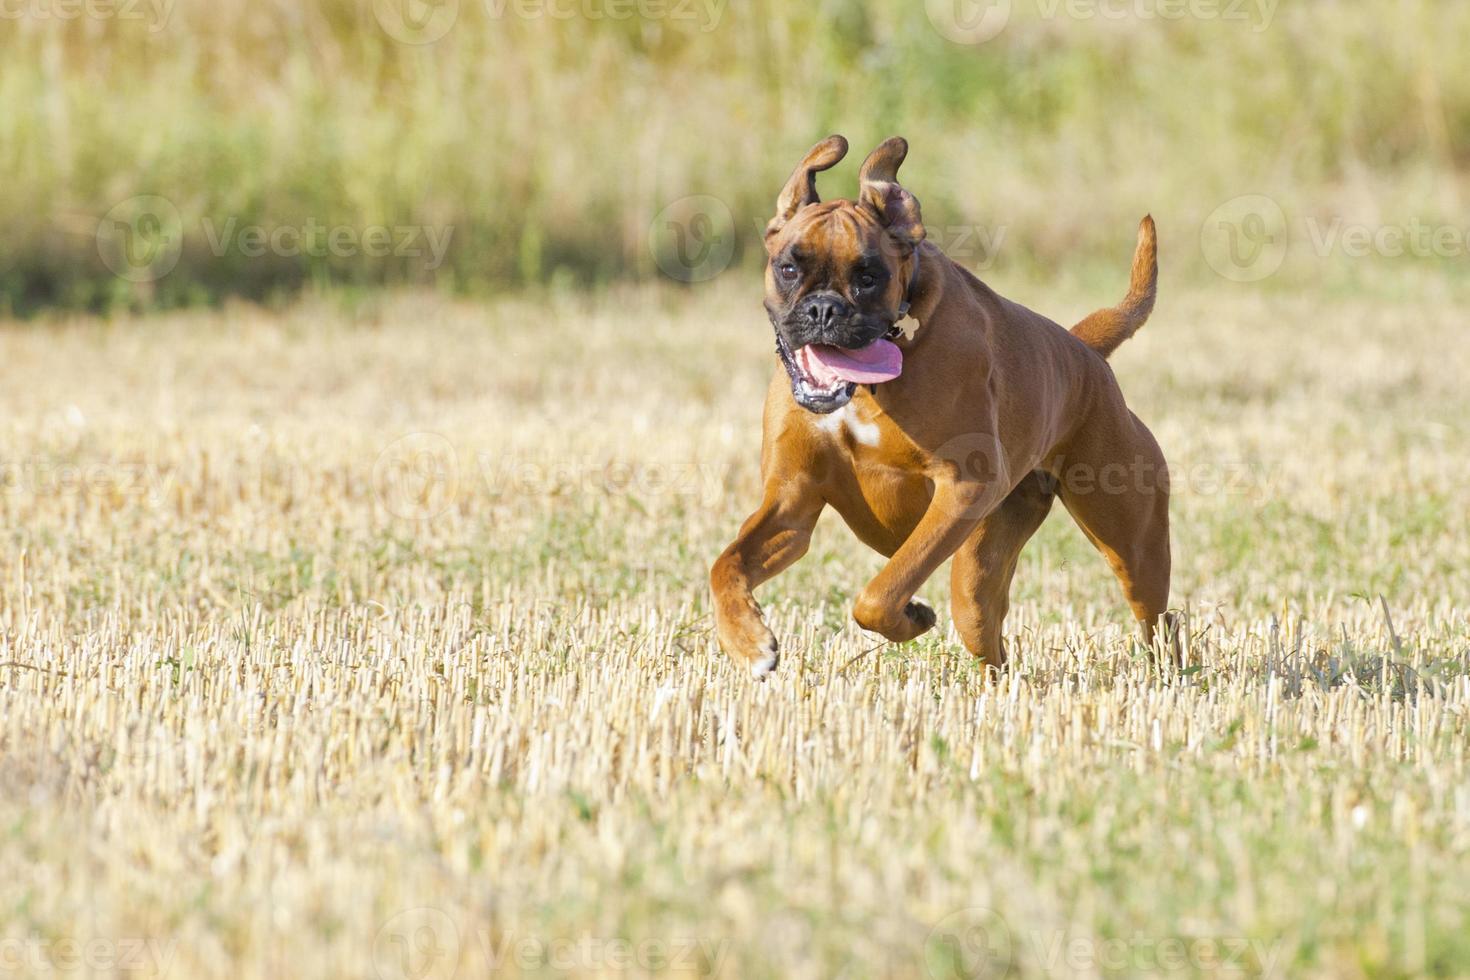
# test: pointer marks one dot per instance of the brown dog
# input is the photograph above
(950, 439)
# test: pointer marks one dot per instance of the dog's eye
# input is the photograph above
(866, 280)
(786, 271)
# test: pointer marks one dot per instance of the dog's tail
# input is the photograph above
(1105, 329)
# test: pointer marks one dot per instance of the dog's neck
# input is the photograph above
(908, 290)
(924, 293)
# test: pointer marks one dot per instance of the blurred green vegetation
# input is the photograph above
(544, 145)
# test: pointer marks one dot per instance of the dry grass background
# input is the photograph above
(547, 144)
(372, 641)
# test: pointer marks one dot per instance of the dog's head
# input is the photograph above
(838, 275)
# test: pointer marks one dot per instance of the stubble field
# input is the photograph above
(374, 642)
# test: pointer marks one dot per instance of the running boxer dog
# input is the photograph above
(947, 436)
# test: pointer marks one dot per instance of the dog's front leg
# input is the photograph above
(887, 605)
(770, 540)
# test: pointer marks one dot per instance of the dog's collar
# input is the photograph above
(908, 294)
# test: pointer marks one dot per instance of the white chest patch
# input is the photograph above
(846, 416)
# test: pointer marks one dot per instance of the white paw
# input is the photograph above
(768, 659)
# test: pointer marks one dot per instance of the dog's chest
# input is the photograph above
(850, 426)
(875, 485)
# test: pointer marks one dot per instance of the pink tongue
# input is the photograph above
(879, 361)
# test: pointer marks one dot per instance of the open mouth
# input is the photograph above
(824, 377)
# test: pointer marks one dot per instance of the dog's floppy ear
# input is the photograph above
(880, 191)
(801, 189)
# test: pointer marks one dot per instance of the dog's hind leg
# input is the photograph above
(980, 576)
(1116, 487)
(770, 541)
